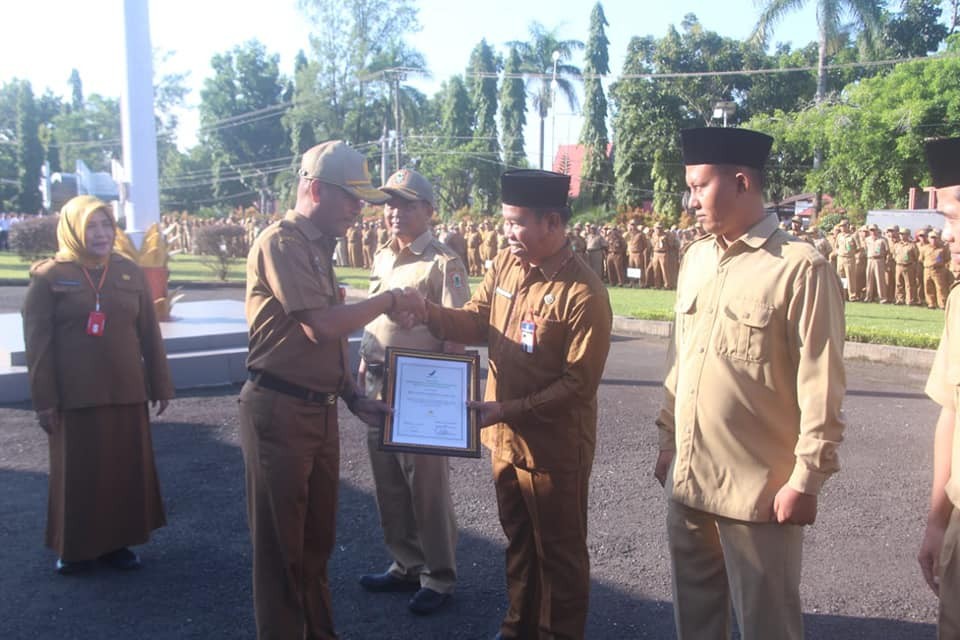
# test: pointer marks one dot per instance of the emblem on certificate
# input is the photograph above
(428, 393)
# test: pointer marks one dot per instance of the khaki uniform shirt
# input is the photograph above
(549, 396)
(290, 268)
(427, 265)
(905, 252)
(595, 242)
(578, 244)
(848, 244)
(934, 257)
(69, 369)
(636, 242)
(877, 248)
(943, 385)
(753, 395)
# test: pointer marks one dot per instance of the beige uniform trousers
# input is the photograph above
(936, 284)
(636, 262)
(948, 624)
(416, 511)
(718, 561)
(906, 285)
(659, 277)
(544, 516)
(847, 268)
(291, 453)
(876, 281)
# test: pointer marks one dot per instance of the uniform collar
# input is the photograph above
(757, 235)
(308, 228)
(552, 265)
(418, 246)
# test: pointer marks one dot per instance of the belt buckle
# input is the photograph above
(331, 399)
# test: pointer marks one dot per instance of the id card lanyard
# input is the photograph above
(97, 319)
(528, 333)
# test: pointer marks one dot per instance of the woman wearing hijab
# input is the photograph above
(95, 357)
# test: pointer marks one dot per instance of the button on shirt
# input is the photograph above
(549, 396)
(943, 385)
(756, 381)
(289, 269)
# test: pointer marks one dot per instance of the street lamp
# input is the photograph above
(724, 109)
(553, 102)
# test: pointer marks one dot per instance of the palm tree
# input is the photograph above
(866, 15)
(538, 59)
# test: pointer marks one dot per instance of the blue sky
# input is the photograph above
(85, 35)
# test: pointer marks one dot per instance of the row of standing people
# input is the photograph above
(182, 232)
(7, 222)
(891, 265)
(652, 254)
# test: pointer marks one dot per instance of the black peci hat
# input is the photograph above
(533, 188)
(943, 159)
(721, 145)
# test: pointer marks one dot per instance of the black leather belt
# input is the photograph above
(375, 369)
(267, 381)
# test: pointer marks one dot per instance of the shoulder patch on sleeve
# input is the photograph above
(456, 279)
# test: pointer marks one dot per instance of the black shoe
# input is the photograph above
(426, 601)
(383, 582)
(70, 567)
(122, 559)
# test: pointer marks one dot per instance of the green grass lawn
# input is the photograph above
(882, 324)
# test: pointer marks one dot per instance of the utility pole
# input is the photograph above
(393, 77)
(397, 77)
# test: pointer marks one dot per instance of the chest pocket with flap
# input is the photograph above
(745, 330)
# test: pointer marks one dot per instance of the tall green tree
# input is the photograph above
(866, 15)
(482, 73)
(29, 151)
(537, 55)
(241, 106)
(513, 111)
(597, 174)
(353, 42)
(873, 135)
(76, 90)
(8, 143)
(650, 113)
(447, 158)
(915, 30)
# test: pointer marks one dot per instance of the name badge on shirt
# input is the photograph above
(527, 333)
(503, 292)
(95, 323)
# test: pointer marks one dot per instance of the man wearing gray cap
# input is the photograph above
(413, 490)
(298, 368)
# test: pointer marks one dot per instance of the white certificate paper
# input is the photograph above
(430, 403)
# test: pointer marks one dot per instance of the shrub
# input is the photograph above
(222, 242)
(35, 238)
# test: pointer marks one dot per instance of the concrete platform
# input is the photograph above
(206, 346)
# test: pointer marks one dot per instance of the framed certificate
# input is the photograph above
(428, 393)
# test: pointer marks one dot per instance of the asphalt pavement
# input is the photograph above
(860, 578)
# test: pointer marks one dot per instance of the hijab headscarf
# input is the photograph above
(72, 227)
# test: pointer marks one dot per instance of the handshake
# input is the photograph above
(408, 309)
